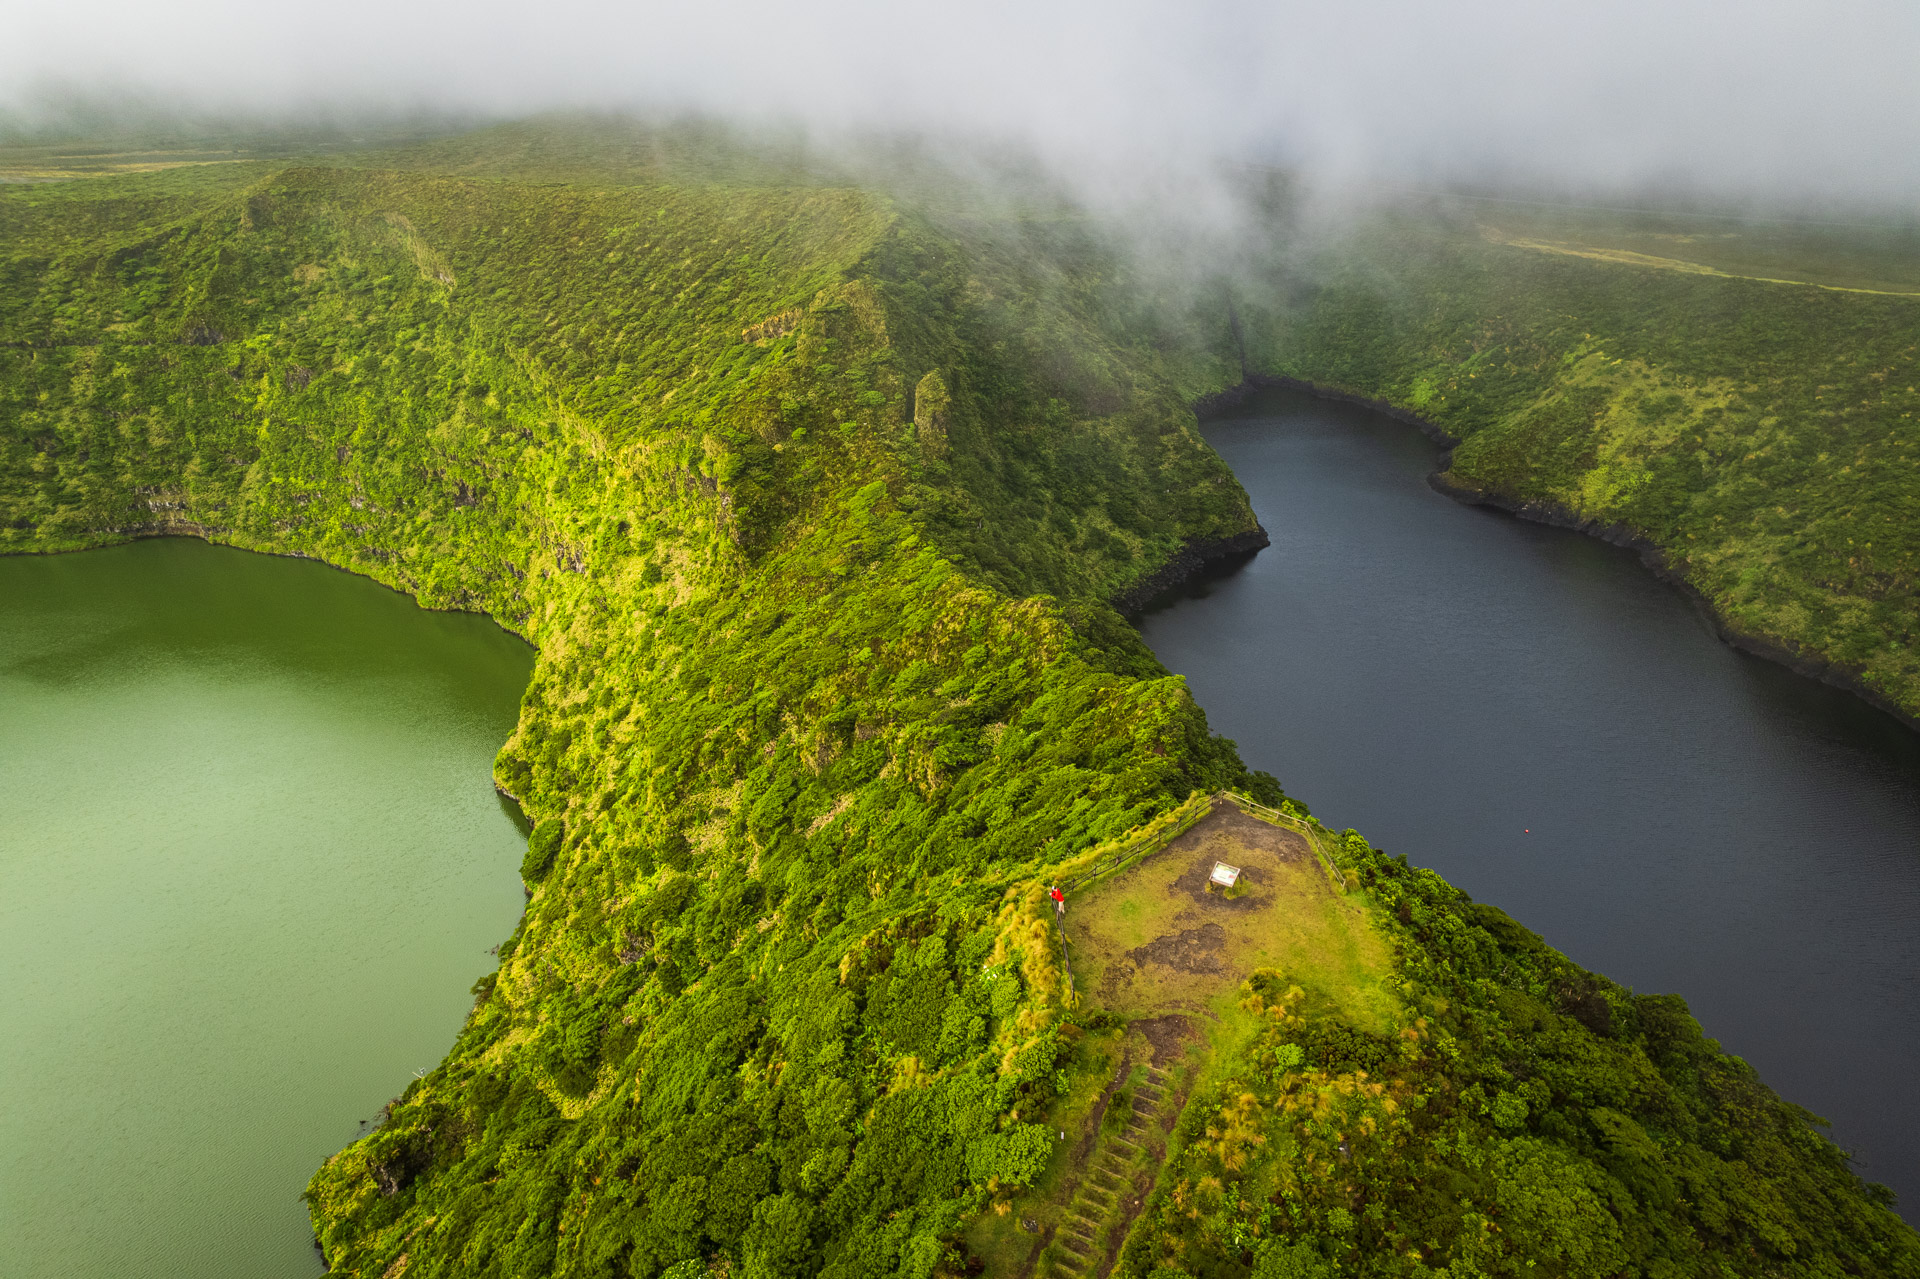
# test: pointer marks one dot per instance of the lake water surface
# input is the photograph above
(1445, 678)
(252, 862)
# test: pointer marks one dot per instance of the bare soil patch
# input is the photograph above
(1194, 950)
(1167, 1037)
(1229, 835)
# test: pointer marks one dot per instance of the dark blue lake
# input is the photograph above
(1445, 678)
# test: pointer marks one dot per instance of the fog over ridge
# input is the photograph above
(1790, 98)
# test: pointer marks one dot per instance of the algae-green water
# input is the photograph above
(251, 862)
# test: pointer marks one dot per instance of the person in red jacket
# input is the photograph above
(1059, 899)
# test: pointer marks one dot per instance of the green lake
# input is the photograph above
(252, 862)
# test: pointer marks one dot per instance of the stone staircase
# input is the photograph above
(1091, 1229)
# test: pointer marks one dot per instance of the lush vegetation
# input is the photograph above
(812, 503)
(1741, 397)
(1526, 1117)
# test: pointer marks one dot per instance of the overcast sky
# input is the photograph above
(1795, 97)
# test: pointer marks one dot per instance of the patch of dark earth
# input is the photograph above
(1194, 950)
(1168, 1035)
(1257, 841)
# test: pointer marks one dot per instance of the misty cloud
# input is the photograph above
(1798, 99)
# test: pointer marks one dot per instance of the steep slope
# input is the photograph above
(813, 510)
(1744, 405)
(768, 713)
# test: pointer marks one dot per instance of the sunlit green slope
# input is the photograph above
(814, 507)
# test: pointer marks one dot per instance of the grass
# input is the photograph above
(1629, 257)
(1153, 947)
(1853, 258)
(1155, 941)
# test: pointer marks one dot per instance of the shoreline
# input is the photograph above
(215, 535)
(1190, 561)
(1651, 554)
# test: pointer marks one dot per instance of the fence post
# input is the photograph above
(1066, 960)
(1253, 808)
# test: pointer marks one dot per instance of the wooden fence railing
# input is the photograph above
(1149, 840)
(1130, 848)
(1311, 829)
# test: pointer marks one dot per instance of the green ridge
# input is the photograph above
(812, 504)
